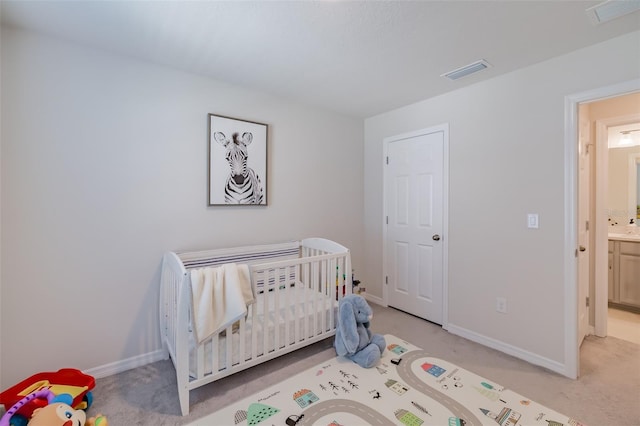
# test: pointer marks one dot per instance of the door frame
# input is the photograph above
(584, 173)
(571, 349)
(444, 128)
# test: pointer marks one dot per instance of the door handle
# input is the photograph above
(436, 237)
(583, 248)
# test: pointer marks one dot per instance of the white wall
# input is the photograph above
(104, 167)
(506, 160)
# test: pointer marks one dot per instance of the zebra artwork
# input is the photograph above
(243, 185)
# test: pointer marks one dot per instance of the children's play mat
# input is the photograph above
(408, 387)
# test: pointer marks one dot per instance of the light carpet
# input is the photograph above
(407, 387)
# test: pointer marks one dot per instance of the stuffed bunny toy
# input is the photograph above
(353, 339)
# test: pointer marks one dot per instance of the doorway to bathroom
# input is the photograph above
(609, 274)
(578, 284)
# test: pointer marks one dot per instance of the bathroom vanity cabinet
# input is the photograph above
(624, 274)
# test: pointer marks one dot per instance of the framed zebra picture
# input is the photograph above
(237, 162)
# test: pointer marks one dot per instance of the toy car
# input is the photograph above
(66, 380)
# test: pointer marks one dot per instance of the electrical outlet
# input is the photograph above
(501, 305)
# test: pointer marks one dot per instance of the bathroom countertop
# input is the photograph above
(624, 237)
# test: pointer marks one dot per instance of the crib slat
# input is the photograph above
(287, 304)
(200, 357)
(314, 274)
(276, 310)
(314, 298)
(326, 304)
(257, 318)
(265, 314)
(256, 277)
(215, 354)
(322, 299)
(242, 333)
(304, 276)
(228, 343)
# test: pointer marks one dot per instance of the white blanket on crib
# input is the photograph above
(220, 297)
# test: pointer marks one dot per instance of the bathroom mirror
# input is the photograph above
(624, 174)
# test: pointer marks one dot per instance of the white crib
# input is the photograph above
(298, 285)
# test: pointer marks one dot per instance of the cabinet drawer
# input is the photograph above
(629, 248)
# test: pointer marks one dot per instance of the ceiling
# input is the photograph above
(358, 58)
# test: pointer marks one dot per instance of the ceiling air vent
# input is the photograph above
(466, 70)
(612, 9)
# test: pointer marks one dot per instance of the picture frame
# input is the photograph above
(237, 162)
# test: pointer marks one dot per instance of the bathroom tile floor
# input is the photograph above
(624, 325)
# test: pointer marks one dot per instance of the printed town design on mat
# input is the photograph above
(407, 387)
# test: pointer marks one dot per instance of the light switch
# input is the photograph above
(532, 220)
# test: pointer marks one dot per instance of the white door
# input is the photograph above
(584, 191)
(414, 208)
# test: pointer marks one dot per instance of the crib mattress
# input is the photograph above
(306, 312)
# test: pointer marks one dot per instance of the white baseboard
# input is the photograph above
(148, 358)
(509, 349)
(492, 343)
(126, 364)
(373, 299)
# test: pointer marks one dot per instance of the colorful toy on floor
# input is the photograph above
(58, 412)
(65, 381)
(98, 420)
(11, 411)
(353, 338)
